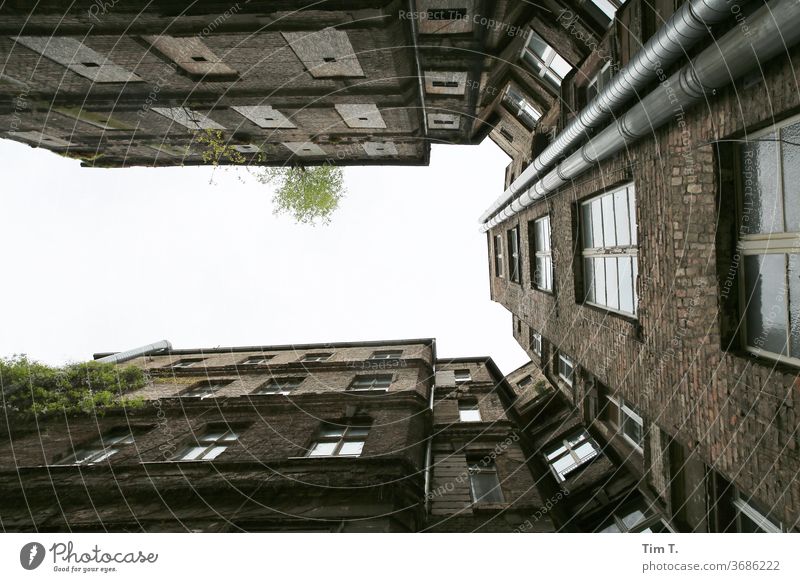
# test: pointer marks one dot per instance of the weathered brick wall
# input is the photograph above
(670, 363)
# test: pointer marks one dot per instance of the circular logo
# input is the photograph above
(31, 555)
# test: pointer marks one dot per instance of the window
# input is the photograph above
(108, 445)
(186, 363)
(509, 137)
(525, 382)
(609, 250)
(752, 520)
(204, 389)
(320, 357)
(468, 411)
(566, 369)
(498, 255)
(631, 425)
(484, 485)
(516, 103)
(279, 386)
(371, 383)
(603, 10)
(258, 360)
(571, 453)
(599, 82)
(462, 376)
(386, 355)
(339, 441)
(636, 518)
(513, 254)
(536, 343)
(542, 268)
(770, 242)
(545, 61)
(209, 445)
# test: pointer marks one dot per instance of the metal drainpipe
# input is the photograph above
(429, 446)
(130, 354)
(685, 28)
(769, 31)
(412, 6)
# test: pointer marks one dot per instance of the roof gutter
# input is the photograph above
(769, 31)
(685, 28)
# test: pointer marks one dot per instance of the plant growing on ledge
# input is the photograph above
(307, 194)
(31, 388)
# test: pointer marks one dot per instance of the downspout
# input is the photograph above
(412, 7)
(771, 30)
(686, 27)
(136, 352)
(429, 445)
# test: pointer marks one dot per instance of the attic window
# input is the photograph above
(445, 83)
(329, 59)
(446, 14)
(506, 134)
(443, 121)
(90, 64)
(200, 59)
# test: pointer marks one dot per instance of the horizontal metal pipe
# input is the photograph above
(136, 352)
(770, 30)
(687, 25)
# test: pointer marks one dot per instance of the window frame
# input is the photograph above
(762, 521)
(543, 64)
(377, 379)
(280, 383)
(477, 467)
(536, 343)
(514, 255)
(350, 433)
(459, 375)
(261, 360)
(499, 267)
(386, 355)
(108, 444)
(578, 462)
(515, 103)
(185, 363)
(616, 251)
(545, 254)
(313, 357)
(764, 244)
(220, 383)
(469, 406)
(648, 520)
(561, 357)
(225, 433)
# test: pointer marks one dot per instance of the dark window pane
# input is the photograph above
(765, 302)
(763, 204)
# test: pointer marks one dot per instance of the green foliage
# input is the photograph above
(31, 388)
(307, 194)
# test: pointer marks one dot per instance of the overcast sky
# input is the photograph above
(107, 260)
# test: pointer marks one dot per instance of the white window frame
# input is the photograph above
(317, 357)
(567, 361)
(209, 445)
(514, 255)
(99, 450)
(543, 65)
(469, 411)
(257, 360)
(551, 457)
(186, 363)
(776, 243)
(479, 467)
(762, 521)
(462, 376)
(499, 268)
(282, 386)
(386, 355)
(626, 412)
(371, 383)
(606, 252)
(545, 254)
(536, 343)
(209, 387)
(515, 102)
(339, 436)
(620, 519)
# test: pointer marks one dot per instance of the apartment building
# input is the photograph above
(646, 246)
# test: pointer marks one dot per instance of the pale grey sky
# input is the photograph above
(107, 260)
